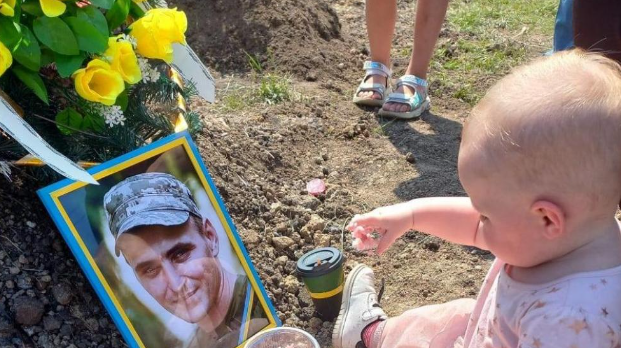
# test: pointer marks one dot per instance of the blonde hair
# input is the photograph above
(555, 125)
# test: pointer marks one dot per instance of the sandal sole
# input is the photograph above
(406, 115)
(338, 325)
(368, 102)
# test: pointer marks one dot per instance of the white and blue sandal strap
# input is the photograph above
(400, 98)
(376, 68)
(411, 81)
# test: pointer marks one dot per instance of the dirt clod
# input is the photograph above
(28, 311)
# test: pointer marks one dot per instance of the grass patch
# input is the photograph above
(274, 89)
(236, 101)
(484, 40)
(268, 88)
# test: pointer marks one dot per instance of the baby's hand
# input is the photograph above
(381, 227)
(366, 238)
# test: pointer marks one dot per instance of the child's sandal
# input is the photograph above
(416, 103)
(373, 68)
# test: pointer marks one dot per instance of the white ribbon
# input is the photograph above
(19, 130)
(192, 69)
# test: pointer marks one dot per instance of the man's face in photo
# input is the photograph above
(177, 265)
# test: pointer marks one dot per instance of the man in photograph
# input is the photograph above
(174, 251)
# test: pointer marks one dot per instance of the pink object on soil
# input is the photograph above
(316, 187)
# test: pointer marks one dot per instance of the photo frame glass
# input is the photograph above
(157, 244)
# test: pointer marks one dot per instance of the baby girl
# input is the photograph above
(540, 160)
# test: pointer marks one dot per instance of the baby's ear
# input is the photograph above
(551, 217)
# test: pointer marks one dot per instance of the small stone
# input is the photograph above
(66, 330)
(305, 233)
(410, 157)
(6, 327)
(92, 324)
(50, 323)
(43, 282)
(318, 160)
(252, 238)
(31, 224)
(28, 311)
(316, 223)
(9, 284)
(62, 293)
(282, 260)
(24, 283)
(322, 240)
(325, 170)
(22, 259)
(310, 202)
(14, 270)
(432, 246)
(315, 324)
(275, 207)
(77, 311)
(291, 284)
(324, 156)
(311, 76)
(282, 228)
(282, 243)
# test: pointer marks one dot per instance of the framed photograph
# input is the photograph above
(157, 244)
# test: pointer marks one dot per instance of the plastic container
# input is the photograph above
(282, 337)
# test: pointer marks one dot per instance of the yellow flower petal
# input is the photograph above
(52, 8)
(157, 31)
(5, 58)
(108, 85)
(123, 60)
(10, 3)
(6, 10)
(98, 82)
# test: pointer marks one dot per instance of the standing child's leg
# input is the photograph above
(381, 16)
(429, 17)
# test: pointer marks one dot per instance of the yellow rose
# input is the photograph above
(5, 58)
(52, 8)
(123, 60)
(98, 82)
(7, 7)
(157, 31)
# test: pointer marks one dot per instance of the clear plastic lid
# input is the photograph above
(282, 337)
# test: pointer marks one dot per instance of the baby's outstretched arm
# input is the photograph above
(451, 218)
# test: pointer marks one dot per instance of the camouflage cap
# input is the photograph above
(148, 199)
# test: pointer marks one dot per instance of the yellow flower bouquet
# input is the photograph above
(93, 68)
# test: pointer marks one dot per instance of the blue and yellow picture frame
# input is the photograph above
(77, 210)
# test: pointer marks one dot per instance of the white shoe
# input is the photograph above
(359, 308)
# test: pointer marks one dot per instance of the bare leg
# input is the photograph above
(429, 17)
(381, 18)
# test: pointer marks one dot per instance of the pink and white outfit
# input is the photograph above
(578, 311)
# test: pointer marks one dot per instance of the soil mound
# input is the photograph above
(292, 35)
